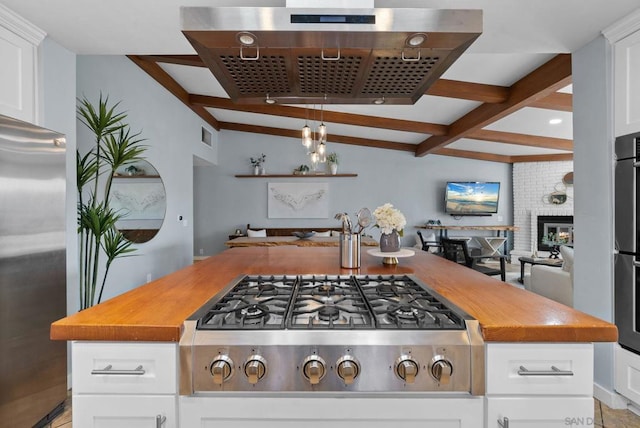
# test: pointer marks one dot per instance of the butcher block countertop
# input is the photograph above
(156, 311)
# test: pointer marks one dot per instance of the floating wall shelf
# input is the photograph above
(296, 175)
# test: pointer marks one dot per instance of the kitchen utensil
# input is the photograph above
(346, 222)
(364, 219)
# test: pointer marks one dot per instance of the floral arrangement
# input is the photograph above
(259, 160)
(389, 219)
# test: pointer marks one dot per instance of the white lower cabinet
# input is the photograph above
(125, 384)
(120, 411)
(539, 412)
(541, 385)
(312, 412)
(132, 384)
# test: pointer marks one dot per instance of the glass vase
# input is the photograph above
(390, 242)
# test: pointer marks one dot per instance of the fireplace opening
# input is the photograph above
(554, 230)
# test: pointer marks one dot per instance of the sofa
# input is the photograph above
(553, 282)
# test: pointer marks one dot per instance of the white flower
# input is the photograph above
(389, 219)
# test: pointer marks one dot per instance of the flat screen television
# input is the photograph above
(471, 198)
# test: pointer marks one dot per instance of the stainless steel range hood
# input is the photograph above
(339, 56)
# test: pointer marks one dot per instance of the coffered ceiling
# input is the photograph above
(495, 102)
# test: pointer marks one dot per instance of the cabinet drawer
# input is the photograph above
(506, 376)
(121, 367)
(540, 412)
(113, 411)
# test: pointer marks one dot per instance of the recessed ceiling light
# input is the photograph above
(555, 121)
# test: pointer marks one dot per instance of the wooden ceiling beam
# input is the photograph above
(543, 81)
(522, 139)
(469, 91)
(542, 158)
(328, 116)
(556, 101)
(161, 76)
(342, 139)
(472, 155)
(190, 60)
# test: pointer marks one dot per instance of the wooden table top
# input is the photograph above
(156, 311)
(314, 241)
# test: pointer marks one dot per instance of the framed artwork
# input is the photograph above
(298, 200)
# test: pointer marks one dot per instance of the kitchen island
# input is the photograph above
(144, 325)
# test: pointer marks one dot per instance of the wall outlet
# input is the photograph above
(500, 218)
(148, 277)
(201, 251)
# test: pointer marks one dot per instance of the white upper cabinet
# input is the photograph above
(625, 37)
(19, 42)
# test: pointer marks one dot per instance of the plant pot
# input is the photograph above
(390, 242)
(256, 170)
(333, 167)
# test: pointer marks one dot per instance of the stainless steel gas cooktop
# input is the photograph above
(331, 333)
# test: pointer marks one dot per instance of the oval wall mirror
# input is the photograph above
(137, 192)
(568, 178)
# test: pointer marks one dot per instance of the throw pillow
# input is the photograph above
(567, 257)
(262, 233)
(322, 234)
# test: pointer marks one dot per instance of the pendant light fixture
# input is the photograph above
(315, 142)
(306, 131)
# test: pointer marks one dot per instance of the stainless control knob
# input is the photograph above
(255, 368)
(441, 370)
(313, 369)
(407, 368)
(221, 369)
(348, 369)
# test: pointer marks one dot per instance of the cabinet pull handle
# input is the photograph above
(636, 164)
(160, 420)
(108, 370)
(553, 372)
(504, 423)
(636, 264)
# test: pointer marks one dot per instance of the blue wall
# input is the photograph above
(414, 185)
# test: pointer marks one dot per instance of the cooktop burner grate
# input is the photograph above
(334, 302)
(255, 302)
(329, 302)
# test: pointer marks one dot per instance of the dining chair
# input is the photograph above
(457, 251)
(427, 245)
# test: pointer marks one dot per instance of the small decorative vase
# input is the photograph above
(256, 170)
(263, 171)
(334, 168)
(390, 242)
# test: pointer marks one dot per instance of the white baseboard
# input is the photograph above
(610, 398)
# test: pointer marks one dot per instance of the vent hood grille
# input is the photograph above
(328, 63)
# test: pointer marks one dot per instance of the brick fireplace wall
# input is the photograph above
(533, 182)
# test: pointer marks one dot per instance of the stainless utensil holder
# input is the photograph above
(350, 250)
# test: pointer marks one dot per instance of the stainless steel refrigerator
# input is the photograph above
(33, 368)
(627, 257)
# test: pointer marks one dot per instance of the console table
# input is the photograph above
(490, 244)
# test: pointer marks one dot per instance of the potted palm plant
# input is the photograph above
(113, 147)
